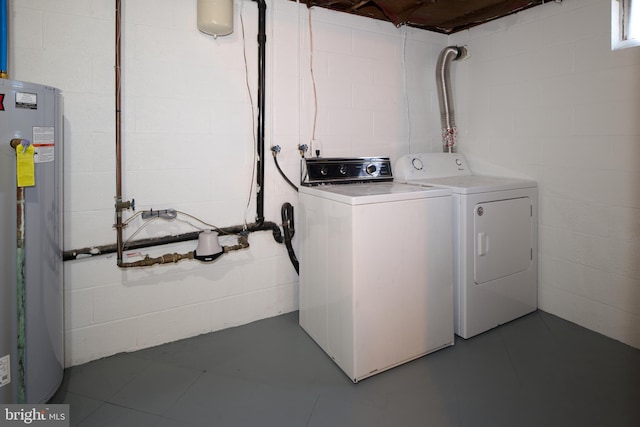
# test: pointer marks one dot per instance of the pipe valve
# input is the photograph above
(130, 204)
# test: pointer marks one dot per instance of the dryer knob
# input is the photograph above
(371, 169)
(417, 163)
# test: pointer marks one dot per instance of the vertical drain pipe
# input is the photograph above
(262, 41)
(443, 83)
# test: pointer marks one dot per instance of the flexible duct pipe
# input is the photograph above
(4, 40)
(443, 83)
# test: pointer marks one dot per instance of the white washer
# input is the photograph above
(376, 277)
(495, 239)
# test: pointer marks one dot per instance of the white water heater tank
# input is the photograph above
(215, 17)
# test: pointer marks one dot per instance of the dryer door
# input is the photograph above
(502, 231)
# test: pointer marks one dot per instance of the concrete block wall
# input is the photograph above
(188, 144)
(543, 95)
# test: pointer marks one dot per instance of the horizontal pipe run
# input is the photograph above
(243, 243)
(165, 240)
(164, 259)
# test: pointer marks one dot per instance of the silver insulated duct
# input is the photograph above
(443, 83)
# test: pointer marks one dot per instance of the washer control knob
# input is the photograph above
(371, 168)
(324, 171)
(417, 163)
(458, 162)
(343, 169)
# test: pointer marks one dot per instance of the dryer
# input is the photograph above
(495, 239)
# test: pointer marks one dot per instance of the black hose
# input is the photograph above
(289, 232)
(275, 159)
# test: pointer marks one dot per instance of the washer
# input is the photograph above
(376, 259)
(495, 239)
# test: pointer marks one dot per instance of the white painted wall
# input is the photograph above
(188, 145)
(543, 95)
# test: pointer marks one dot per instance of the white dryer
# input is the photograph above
(495, 232)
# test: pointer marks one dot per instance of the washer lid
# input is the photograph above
(472, 184)
(362, 194)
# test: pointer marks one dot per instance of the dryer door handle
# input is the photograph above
(482, 244)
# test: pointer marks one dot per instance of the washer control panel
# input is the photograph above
(344, 170)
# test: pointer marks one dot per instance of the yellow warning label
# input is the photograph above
(25, 166)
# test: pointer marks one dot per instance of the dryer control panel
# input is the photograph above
(431, 165)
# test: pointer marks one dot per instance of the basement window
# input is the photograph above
(625, 23)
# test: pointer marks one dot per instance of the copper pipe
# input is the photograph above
(20, 202)
(119, 225)
(243, 243)
(164, 259)
(20, 283)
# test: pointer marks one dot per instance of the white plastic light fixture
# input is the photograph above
(208, 248)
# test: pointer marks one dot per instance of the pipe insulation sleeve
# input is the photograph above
(4, 39)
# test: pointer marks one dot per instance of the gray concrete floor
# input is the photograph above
(538, 370)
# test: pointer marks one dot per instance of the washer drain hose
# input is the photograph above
(289, 231)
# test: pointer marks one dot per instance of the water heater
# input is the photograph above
(31, 287)
(215, 17)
